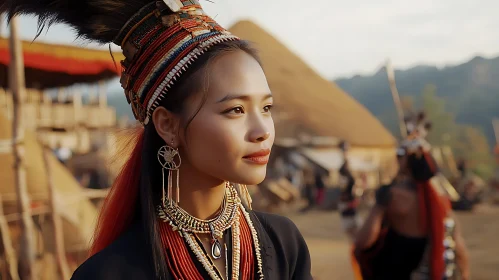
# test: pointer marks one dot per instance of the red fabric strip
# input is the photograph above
(433, 210)
(64, 65)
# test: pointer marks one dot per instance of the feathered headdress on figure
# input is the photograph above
(417, 148)
(160, 39)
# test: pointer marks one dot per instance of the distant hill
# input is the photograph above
(470, 90)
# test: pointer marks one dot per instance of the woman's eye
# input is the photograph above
(236, 110)
(267, 108)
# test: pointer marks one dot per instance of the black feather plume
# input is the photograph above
(96, 20)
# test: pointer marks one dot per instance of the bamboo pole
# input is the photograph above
(495, 125)
(10, 254)
(17, 84)
(451, 162)
(396, 99)
(60, 252)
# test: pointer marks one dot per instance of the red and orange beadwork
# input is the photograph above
(160, 46)
(182, 266)
(180, 236)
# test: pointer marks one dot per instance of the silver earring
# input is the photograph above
(170, 160)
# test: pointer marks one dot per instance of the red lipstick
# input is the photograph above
(261, 157)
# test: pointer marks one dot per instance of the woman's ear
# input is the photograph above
(166, 124)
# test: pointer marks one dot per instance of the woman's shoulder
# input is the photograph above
(277, 224)
(282, 232)
(282, 238)
(125, 258)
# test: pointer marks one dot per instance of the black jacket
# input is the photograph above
(285, 254)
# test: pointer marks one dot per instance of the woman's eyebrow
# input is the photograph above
(229, 97)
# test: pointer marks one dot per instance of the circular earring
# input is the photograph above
(169, 159)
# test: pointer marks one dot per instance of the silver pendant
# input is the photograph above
(216, 249)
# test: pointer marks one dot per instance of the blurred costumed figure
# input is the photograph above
(410, 234)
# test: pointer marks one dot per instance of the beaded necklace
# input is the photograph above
(179, 219)
(233, 215)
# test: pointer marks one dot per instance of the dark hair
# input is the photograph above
(192, 81)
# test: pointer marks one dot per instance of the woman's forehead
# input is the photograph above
(236, 73)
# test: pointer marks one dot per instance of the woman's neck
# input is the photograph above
(200, 196)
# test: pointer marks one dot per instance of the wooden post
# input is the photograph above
(102, 94)
(92, 92)
(16, 84)
(60, 252)
(47, 99)
(396, 99)
(10, 254)
(60, 95)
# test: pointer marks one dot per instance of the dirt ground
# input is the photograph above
(329, 247)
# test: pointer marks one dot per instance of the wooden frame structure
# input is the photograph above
(39, 66)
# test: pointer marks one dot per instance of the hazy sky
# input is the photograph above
(341, 38)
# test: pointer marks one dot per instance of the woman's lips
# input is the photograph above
(261, 157)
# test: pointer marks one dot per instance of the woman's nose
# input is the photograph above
(259, 136)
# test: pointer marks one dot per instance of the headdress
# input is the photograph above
(417, 130)
(159, 39)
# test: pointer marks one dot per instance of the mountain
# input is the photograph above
(470, 91)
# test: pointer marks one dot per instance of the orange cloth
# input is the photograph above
(357, 275)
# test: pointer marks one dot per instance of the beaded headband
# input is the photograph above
(159, 46)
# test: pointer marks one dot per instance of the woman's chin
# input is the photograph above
(251, 177)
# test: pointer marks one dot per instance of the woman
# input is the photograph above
(309, 187)
(410, 233)
(203, 99)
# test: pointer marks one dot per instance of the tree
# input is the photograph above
(444, 128)
(467, 142)
(473, 146)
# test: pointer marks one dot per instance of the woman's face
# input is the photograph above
(231, 136)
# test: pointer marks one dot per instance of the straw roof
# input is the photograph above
(308, 101)
(50, 65)
(78, 213)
